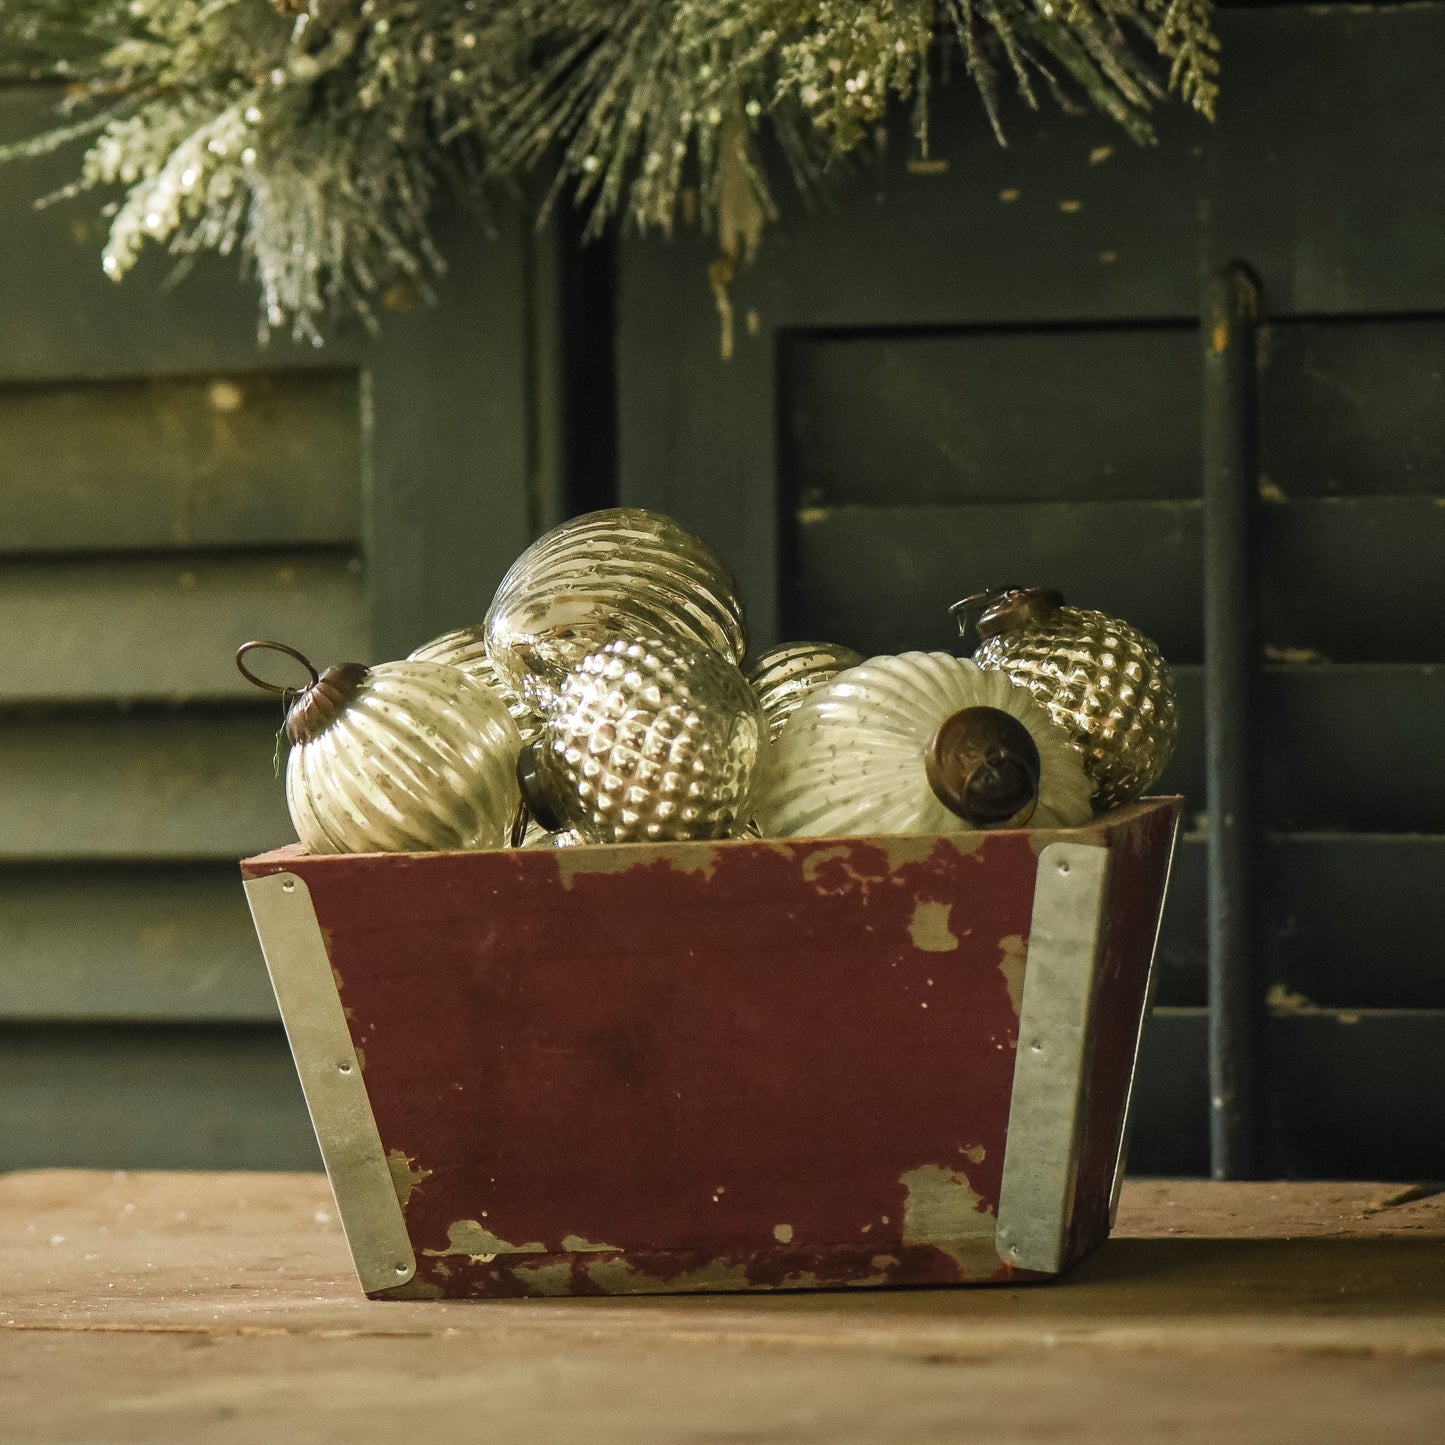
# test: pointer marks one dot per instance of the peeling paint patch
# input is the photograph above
(942, 1210)
(554, 1278)
(814, 863)
(575, 1244)
(406, 1174)
(975, 1155)
(467, 1237)
(617, 1276)
(783, 1233)
(929, 928)
(575, 863)
(1013, 957)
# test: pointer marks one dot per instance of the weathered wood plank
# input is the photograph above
(138, 943)
(1324, 188)
(148, 784)
(451, 432)
(1354, 1094)
(881, 577)
(242, 460)
(1171, 1095)
(96, 629)
(1352, 748)
(1342, 920)
(151, 1098)
(1106, 414)
(1359, 1092)
(1355, 920)
(1352, 405)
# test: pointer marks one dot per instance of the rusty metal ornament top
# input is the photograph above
(1003, 609)
(311, 709)
(983, 765)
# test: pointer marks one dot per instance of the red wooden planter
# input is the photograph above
(735, 1065)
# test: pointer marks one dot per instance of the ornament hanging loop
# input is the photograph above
(248, 647)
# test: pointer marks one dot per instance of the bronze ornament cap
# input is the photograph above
(315, 706)
(983, 765)
(1017, 607)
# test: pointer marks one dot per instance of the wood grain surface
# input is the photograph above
(179, 1307)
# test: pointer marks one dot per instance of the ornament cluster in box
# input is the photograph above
(813, 972)
(603, 699)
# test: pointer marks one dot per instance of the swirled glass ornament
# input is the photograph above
(466, 650)
(919, 743)
(624, 572)
(647, 741)
(784, 675)
(400, 757)
(1101, 680)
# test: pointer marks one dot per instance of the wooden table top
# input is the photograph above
(179, 1307)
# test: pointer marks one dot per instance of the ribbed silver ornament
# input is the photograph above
(623, 572)
(853, 758)
(466, 650)
(784, 675)
(410, 757)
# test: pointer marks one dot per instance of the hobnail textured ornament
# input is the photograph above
(647, 741)
(401, 757)
(624, 572)
(1101, 680)
(466, 650)
(919, 743)
(784, 675)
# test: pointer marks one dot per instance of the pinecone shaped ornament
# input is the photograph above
(466, 650)
(919, 743)
(621, 573)
(397, 758)
(784, 675)
(1101, 680)
(647, 741)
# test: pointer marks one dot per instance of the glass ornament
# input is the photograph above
(919, 743)
(466, 650)
(397, 758)
(784, 675)
(624, 572)
(647, 741)
(1101, 680)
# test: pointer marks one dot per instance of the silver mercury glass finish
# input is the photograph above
(624, 572)
(1104, 683)
(784, 675)
(466, 650)
(652, 741)
(403, 757)
(851, 759)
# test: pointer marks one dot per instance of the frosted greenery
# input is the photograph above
(313, 139)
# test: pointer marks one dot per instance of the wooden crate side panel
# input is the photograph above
(779, 1065)
(1140, 847)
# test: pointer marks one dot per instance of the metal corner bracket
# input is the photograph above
(1045, 1124)
(331, 1079)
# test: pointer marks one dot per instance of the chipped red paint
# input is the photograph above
(708, 1065)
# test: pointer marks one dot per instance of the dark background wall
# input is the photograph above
(978, 369)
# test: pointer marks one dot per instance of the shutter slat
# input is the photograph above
(250, 459)
(138, 943)
(147, 629)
